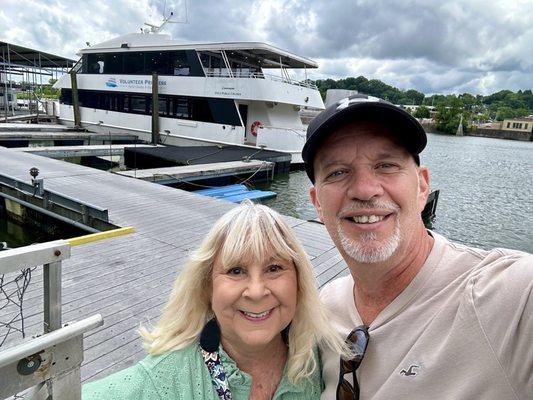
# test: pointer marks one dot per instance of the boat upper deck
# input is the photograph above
(141, 54)
(128, 279)
(271, 56)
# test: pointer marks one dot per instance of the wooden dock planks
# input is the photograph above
(127, 279)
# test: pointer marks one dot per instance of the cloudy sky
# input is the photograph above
(434, 46)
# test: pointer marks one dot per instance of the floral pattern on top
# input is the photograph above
(218, 374)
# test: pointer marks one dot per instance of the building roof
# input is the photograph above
(528, 118)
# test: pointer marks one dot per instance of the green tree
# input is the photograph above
(502, 104)
(422, 112)
(404, 101)
(448, 118)
(415, 96)
(504, 112)
(469, 101)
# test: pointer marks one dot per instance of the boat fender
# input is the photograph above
(255, 126)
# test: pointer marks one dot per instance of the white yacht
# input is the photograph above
(237, 93)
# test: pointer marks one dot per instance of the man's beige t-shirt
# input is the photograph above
(462, 329)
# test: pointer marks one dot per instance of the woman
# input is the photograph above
(243, 321)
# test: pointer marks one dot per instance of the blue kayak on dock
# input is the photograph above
(236, 193)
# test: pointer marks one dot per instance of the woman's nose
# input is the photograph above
(256, 288)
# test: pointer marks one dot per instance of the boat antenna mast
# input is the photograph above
(157, 28)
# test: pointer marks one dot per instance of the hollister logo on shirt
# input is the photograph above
(411, 371)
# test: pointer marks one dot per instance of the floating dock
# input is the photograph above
(189, 173)
(25, 117)
(24, 135)
(25, 139)
(128, 279)
(103, 150)
(191, 155)
(18, 127)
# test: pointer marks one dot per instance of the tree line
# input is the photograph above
(474, 108)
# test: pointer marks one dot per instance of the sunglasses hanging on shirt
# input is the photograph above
(357, 341)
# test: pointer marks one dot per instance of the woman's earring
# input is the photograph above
(285, 334)
(210, 336)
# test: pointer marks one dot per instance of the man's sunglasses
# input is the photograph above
(357, 341)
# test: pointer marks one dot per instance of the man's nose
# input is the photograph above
(364, 185)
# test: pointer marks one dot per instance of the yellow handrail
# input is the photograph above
(100, 235)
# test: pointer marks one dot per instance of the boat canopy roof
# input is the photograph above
(262, 54)
(13, 55)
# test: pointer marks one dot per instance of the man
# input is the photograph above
(430, 319)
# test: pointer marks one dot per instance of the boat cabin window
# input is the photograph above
(157, 61)
(65, 97)
(213, 63)
(163, 106)
(177, 63)
(95, 63)
(182, 108)
(243, 67)
(220, 111)
(134, 63)
(80, 65)
(139, 104)
(240, 64)
(113, 63)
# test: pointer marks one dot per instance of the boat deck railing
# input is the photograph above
(284, 130)
(225, 73)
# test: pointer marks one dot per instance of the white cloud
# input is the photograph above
(428, 45)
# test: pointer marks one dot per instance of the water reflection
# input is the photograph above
(15, 234)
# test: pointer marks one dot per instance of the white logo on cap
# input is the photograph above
(347, 101)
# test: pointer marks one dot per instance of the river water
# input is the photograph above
(486, 191)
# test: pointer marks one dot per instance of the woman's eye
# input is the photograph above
(274, 268)
(235, 271)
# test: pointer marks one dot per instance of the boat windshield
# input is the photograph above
(229, 64)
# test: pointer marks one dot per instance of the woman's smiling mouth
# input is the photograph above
(256, 316)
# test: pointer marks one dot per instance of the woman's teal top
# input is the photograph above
(182, 374)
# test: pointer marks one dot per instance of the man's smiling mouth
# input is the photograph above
(367, 219)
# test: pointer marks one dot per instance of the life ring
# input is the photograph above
(255, 126)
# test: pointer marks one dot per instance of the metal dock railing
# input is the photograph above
(48, 365)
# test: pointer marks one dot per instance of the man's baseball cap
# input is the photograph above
(357, 108)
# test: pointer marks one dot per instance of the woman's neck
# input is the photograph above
(265, 365)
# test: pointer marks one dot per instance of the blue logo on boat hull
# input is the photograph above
(111, 82)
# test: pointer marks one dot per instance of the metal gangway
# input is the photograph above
(47, 366)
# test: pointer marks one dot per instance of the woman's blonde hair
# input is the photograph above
(256, 231)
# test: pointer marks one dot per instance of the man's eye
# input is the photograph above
(388, 167)
(336, 174)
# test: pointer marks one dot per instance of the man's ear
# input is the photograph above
(423, 187)
(316, 203)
